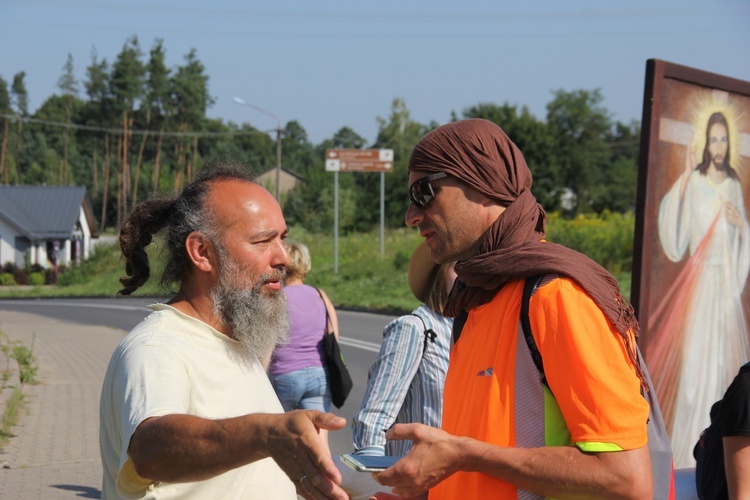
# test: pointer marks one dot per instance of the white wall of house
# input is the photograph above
(7, 237)
(86, 244)
(39, 254)
(64, 253)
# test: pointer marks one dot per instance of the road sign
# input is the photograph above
(359, 160)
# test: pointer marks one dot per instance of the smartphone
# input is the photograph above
(365, 463)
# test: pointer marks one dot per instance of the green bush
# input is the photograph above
(7, 279)
(36, 279)
(607, 238)
(75, 275)
(103, 259)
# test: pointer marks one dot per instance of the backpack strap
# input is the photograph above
(532, 282)
(429, 333)
(458, 325)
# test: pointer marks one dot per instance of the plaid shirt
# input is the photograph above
(405, 384)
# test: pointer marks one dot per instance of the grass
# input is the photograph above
(365, 278)
(24, 356)
(26, 360)
(10, 416)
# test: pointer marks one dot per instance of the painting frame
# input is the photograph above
(657, 72)
(678, 110)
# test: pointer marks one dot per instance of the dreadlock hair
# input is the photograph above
(180, 215)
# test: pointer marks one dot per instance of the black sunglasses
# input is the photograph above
(421, 192)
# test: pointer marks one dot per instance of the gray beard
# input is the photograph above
(260, 322)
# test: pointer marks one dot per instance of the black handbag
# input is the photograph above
(339, 379)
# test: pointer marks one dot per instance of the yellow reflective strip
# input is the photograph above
(595, 447)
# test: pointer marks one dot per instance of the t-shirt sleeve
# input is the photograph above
(588, 369)
(151, 381)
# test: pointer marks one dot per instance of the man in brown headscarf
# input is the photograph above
(505, 432)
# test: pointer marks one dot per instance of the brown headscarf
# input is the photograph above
(479, 154)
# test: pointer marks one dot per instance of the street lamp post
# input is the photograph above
(239, 100)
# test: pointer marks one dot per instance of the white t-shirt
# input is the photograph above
(172, 363)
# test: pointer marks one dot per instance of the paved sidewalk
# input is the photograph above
(55, 451)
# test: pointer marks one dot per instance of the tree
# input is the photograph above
(126, 86)
(190, 98)
(618, 191)
(97, 78)
(346, 138)
(155, 107)
(311, 202)
(68, 85)
(98, 110)
(20, 98)
(5, 109)
(157, 82)
(579, 125)
(400, 133)
(44, 144)
(298, 153)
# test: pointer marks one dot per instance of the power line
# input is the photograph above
(120, 131)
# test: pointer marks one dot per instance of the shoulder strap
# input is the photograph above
(528, 290)
(325, 306)
(429, 333)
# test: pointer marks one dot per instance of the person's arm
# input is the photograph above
(182, 448)
(388, 383)
(331, 313)
(559, 471)
(737, 465)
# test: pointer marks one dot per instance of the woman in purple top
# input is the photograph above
(298, 370)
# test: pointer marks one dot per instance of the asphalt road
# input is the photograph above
(361, 334)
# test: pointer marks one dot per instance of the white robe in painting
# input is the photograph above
(713, 339)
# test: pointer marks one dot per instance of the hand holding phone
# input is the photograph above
(369, 463)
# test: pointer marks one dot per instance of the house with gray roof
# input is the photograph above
(47, 225)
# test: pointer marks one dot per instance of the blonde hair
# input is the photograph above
(299, 260)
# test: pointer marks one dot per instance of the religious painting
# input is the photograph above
(692, 243)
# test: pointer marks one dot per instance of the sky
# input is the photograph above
(334, 63)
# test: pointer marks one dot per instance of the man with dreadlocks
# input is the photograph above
(504, 433)
(187, 410)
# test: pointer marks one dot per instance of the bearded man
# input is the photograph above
(186, 408)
